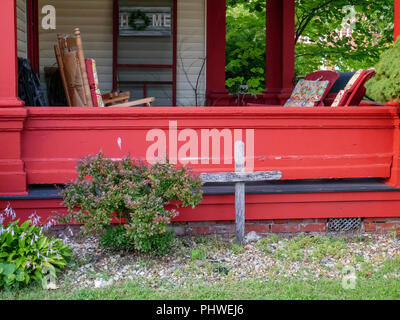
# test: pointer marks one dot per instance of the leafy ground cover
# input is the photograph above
(361, 266)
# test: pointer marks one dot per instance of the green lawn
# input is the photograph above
(373, 288)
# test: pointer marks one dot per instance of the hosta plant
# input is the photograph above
(26, 254)
(132, 192)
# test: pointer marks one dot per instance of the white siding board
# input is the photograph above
(94, 18)
(191, 51)
(22, 39)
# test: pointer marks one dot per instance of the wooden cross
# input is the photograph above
(240, 177)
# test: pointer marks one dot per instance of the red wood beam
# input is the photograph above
(303, 143)
(33, 33)
(396, 19)
(8, 55)
(216, 37)
(280, 31)
(258, 206)
(12, 174)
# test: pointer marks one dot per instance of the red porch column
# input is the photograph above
(394, 179)
(217, 95)
(396, 19)
(280, 30)
(8, 56)
(12, 116)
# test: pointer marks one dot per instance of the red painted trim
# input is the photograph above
(216, 37)
(394, 179)
(12, 168)
(304, 143)
(8, 56)
(396, 19)
(33, 33)
(280, 30)
(258, 206)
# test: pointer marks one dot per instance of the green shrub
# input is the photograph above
(115, 238)
(385, 85)
(158, 243)
(26, 253)
(106, 190)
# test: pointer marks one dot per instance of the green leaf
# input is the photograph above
(25, 225)
(9, 268)
(20, 276)
(4, 254)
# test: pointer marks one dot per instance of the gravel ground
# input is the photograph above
(212, 260)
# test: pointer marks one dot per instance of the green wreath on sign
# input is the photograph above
(137, 14)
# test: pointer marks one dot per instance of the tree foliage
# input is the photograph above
(321, 22)
(245, 48)
(318, 21)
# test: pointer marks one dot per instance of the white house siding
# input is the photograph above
(94, 18)
(191, 51)
(21, 29)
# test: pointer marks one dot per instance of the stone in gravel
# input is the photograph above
(324, 261)
(252, 236)
(99, 283)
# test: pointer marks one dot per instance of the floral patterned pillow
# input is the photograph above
(307, 93)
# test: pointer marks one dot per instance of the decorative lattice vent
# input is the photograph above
(344, 224)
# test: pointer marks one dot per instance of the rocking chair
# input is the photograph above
(79, 77)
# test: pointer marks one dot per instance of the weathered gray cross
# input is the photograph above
(240, 177)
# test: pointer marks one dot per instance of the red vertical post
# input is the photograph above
(280, 31)
(33, 33)
(8, 56)
(216, 36)
(394, 179)
(12, 116)
(396, 19)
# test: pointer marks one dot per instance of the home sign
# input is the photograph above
(145, 21)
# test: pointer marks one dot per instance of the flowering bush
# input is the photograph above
(129, 190)
(26, 253)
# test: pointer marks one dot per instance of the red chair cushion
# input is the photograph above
(354, 91)
(91, 70)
